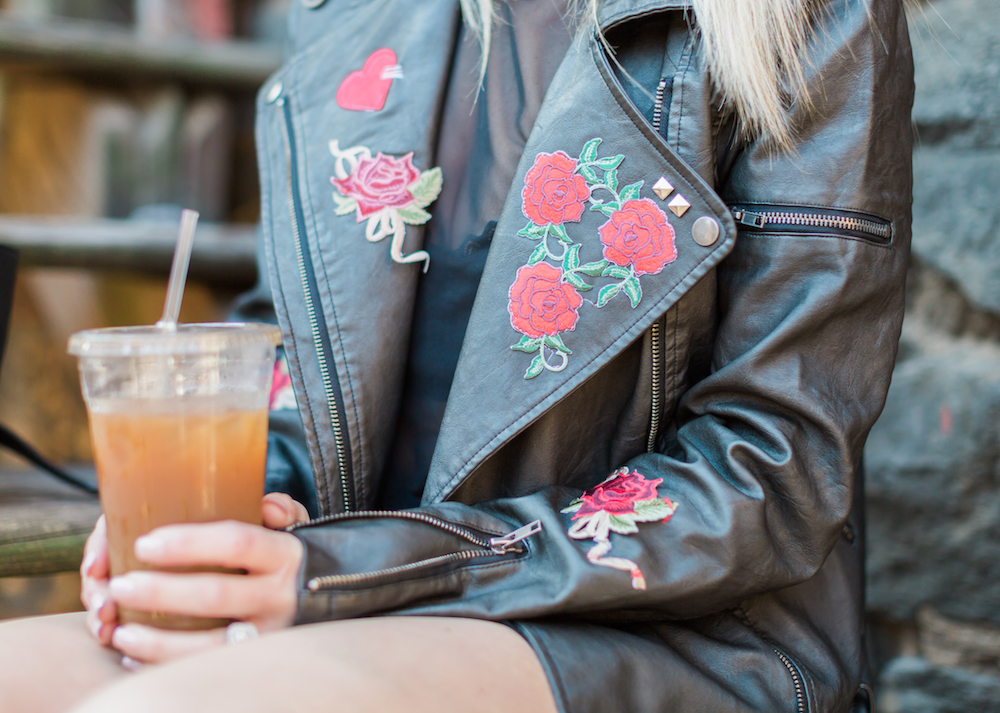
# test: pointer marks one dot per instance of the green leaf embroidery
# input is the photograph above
(554, 341)
(427, 188)
(655, 509)
(612, 162)
(616, 271)
(589, 152)
(589, 174)
(571, 260)
(623, 524)
(573, 506)
(413, 215)
(527, 345)
(593, 269)
(537, 367)
(535, 232)
(345, 205)
(578, 282)
(560, 232)
(538, 254)
(631, 192)
(606, 208)
(611, 179)
(634, 291)
(607, 294)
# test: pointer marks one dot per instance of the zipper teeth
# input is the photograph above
(661, 87)
(800, 697)
(654, 419)
(437, 522)
(313, 320)
(820, 220)
(342, 580)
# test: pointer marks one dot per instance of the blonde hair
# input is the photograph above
(752, 49)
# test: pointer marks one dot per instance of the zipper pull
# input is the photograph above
(510, 542)
(745, 217)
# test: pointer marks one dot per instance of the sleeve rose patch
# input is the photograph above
(637, 240)
(617, 505)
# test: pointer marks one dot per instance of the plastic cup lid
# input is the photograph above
(186, 339)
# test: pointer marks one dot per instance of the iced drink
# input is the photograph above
(179, 428)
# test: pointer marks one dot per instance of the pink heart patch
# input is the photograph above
(366, 89)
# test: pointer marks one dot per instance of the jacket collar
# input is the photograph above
(611, 12)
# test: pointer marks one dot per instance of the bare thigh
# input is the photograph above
(48, 664)
(419, 665)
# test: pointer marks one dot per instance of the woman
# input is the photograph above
(632, 482)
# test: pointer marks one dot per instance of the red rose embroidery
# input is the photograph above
(540, 303)
(552, 192)
(618, 496)
(380, 182)
(639, 234)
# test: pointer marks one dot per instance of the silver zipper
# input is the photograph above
(485, 547)
(654, 418)
(657, 378)
(800, 688)
(763, 219)
(661, 88)
(314, 327)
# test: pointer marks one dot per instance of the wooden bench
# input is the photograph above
(43, 523)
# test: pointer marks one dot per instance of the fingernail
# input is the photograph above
(124, 638)
(130, 664)
(88, 562)
(149, 546)
(121, 586)
(97, 602)
(95, 628)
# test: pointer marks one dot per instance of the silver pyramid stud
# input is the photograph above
(679, 205)
(663, 188)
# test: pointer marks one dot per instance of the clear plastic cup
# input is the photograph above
(178, 421)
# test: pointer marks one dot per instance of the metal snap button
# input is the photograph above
(313, 4)
(274, 92)
(705, 231)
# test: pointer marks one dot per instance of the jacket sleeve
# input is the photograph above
(752, 491)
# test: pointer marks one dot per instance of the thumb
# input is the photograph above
(280, 511)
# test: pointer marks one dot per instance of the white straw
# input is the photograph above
(179, 270)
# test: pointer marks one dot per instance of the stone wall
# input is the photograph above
(933, 459)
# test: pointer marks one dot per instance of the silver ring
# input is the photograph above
(240, 631)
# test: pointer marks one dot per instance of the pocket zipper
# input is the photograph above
(795, 219)
(485, 546)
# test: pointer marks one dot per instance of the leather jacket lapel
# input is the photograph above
(565, 327)
(379, 101)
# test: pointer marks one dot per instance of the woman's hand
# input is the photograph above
(265, 596)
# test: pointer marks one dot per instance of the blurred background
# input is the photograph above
(113, 113)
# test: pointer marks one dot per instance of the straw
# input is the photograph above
(179, 270)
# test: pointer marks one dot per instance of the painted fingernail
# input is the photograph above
(97, 602)
(124, 638)
(149, 546)
(88, 562)
(95, 628)
(121, 587)
(130, 664)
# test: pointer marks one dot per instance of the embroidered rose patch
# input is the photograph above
(282, 396)
(617, 505)
(388, 192)
(638, 240)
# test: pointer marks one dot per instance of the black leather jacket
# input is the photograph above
(733, 369)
